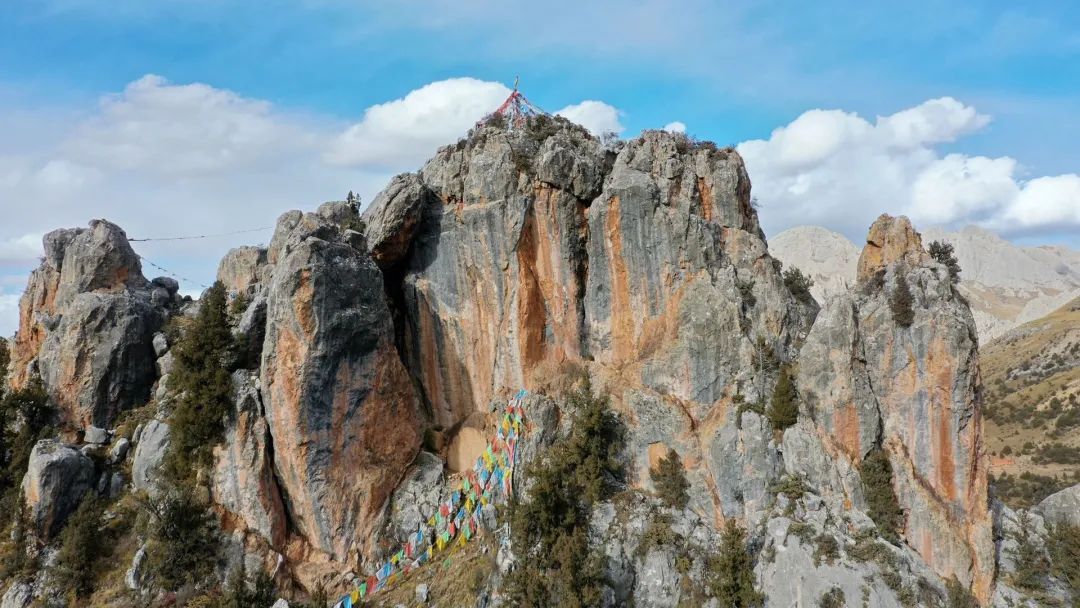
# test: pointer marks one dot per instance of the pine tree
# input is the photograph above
(204, 358)
(901, 302)
(784, 409)
(5, 359)
(943, 253)
(184, 543)
(1031, 563)
(82, 544)
(883, 506)
(732, 571)
(670, 480)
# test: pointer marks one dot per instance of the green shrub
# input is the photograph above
(884, 507)
(901, 302)
(784, 407)
(958, 596)
(5, 359)
(204, 358)
(25, 418)
(1063, 544)
(183, 538)
(943, 253)
(657, 534)
(16, 562)
(670, 480)
(239, 594)
(731, 572)
(1031, 563)
(833, 598)
(746, 292)
(791, 486)
(550, 528)
(826, 549)
(82, 547)
(799, 285)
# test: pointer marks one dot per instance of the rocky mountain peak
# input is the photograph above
(890, 240)
(85, 323)
(534, 258)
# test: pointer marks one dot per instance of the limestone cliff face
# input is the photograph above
(539, 249)
(913, 391)
(338, 402)
(86, 322)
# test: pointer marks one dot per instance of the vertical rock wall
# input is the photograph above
(914, 392)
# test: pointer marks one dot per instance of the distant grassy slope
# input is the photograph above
(1032, 406)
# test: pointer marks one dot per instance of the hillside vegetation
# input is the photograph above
(1032, 406)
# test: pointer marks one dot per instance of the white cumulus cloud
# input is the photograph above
(9, 314)
(596, 116)
(675, 126)
(20, 249)
(406, 131)
(184, 129)
(837, 169)
(175, 159)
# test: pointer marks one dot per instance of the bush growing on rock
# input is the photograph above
(1063, 544)
(239, 594)
(833, 598)
(5, 359)
(882, 504)
(550, 528)
(784, 408)
(204, 358)
(957, 596)
(670, 480)
(1031, 564)
(25, 417)
(183, 541)
(82, 545)
(799, 285)
(901, 302)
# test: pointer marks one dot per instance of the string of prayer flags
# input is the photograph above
(457, 517)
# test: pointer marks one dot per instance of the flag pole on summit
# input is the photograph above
(516, 109)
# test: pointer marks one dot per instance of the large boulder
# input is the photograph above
(242, 268)
(149, 452)
(393, 217)
(86, 325)
(56, 479)
(1062, 507)
(340, 407)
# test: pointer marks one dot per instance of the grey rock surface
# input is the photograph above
(393, 216)
(94, 434)
(149, 452)
(18, 595)
(161, 344)
(1062, 507)
(417, 496)
(243, 481)
(56, 479)
(242, 268)
(134, 575)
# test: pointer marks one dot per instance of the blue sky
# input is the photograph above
(290, 77)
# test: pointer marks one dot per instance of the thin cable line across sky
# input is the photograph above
(171, 273)
(200, 236)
